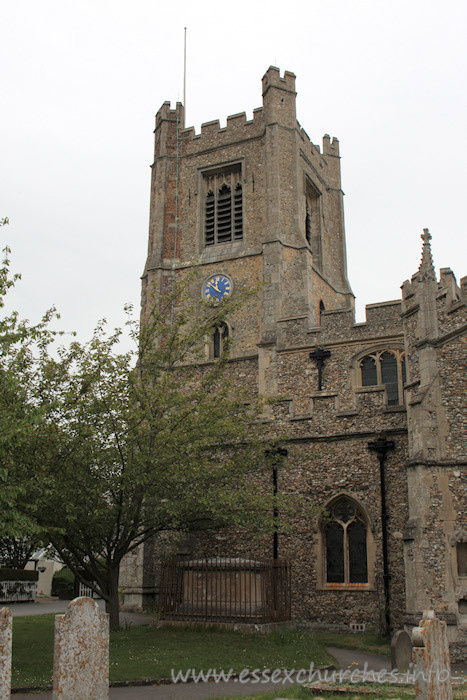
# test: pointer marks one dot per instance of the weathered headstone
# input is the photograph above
(5, 653)
(432, 669)
(81, 652)
(401, 651)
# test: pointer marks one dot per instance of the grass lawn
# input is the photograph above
(147, 652)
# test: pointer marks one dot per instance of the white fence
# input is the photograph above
(86, 591)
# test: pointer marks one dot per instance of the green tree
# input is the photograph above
(19, 416)
(133, 444)
(15, 552)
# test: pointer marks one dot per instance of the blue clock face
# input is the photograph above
(217, 287)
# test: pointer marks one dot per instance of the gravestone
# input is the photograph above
(81, 652)
(5, 653)
(401, 651)
(430, 655)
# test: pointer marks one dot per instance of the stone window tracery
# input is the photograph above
(345, 539)
(385, 368)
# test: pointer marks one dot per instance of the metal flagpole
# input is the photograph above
(184, 73)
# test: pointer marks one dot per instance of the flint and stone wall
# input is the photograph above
(282, 173)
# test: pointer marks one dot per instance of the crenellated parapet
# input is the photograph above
(278, 106)
(382, 320)
(330, 146)
(272, 79)
(238, 128)
(167, 114)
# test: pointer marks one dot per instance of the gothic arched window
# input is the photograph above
(385, 368)
(321, 309)
(345, 536)
(219, 340)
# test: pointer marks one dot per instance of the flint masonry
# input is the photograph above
(375, 411)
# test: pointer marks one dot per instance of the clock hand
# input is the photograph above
(214, 286)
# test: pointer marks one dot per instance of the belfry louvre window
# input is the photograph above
(346, 544)
(386, 368)
(223, 215)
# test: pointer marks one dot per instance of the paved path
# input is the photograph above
(351, 658)
(50, 605)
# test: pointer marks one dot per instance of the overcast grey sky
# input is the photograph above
(83, 79)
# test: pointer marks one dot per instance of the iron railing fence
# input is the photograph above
(223, 589)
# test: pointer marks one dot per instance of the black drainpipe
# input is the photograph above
(275, 453)
(382, 446)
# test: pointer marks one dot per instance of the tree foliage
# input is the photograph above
(15, 552)
(132, 444)
(20, 344)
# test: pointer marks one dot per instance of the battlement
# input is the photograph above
(308, 143)
(234, 121)
(277, 106)
(237, 126)
(384, 316)
(382, 319)
(210, 127)
(447, 287)
(165, 113)
(330, 148)
(272, 78)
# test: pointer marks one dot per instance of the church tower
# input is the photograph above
(373, 411)
(255, 203)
